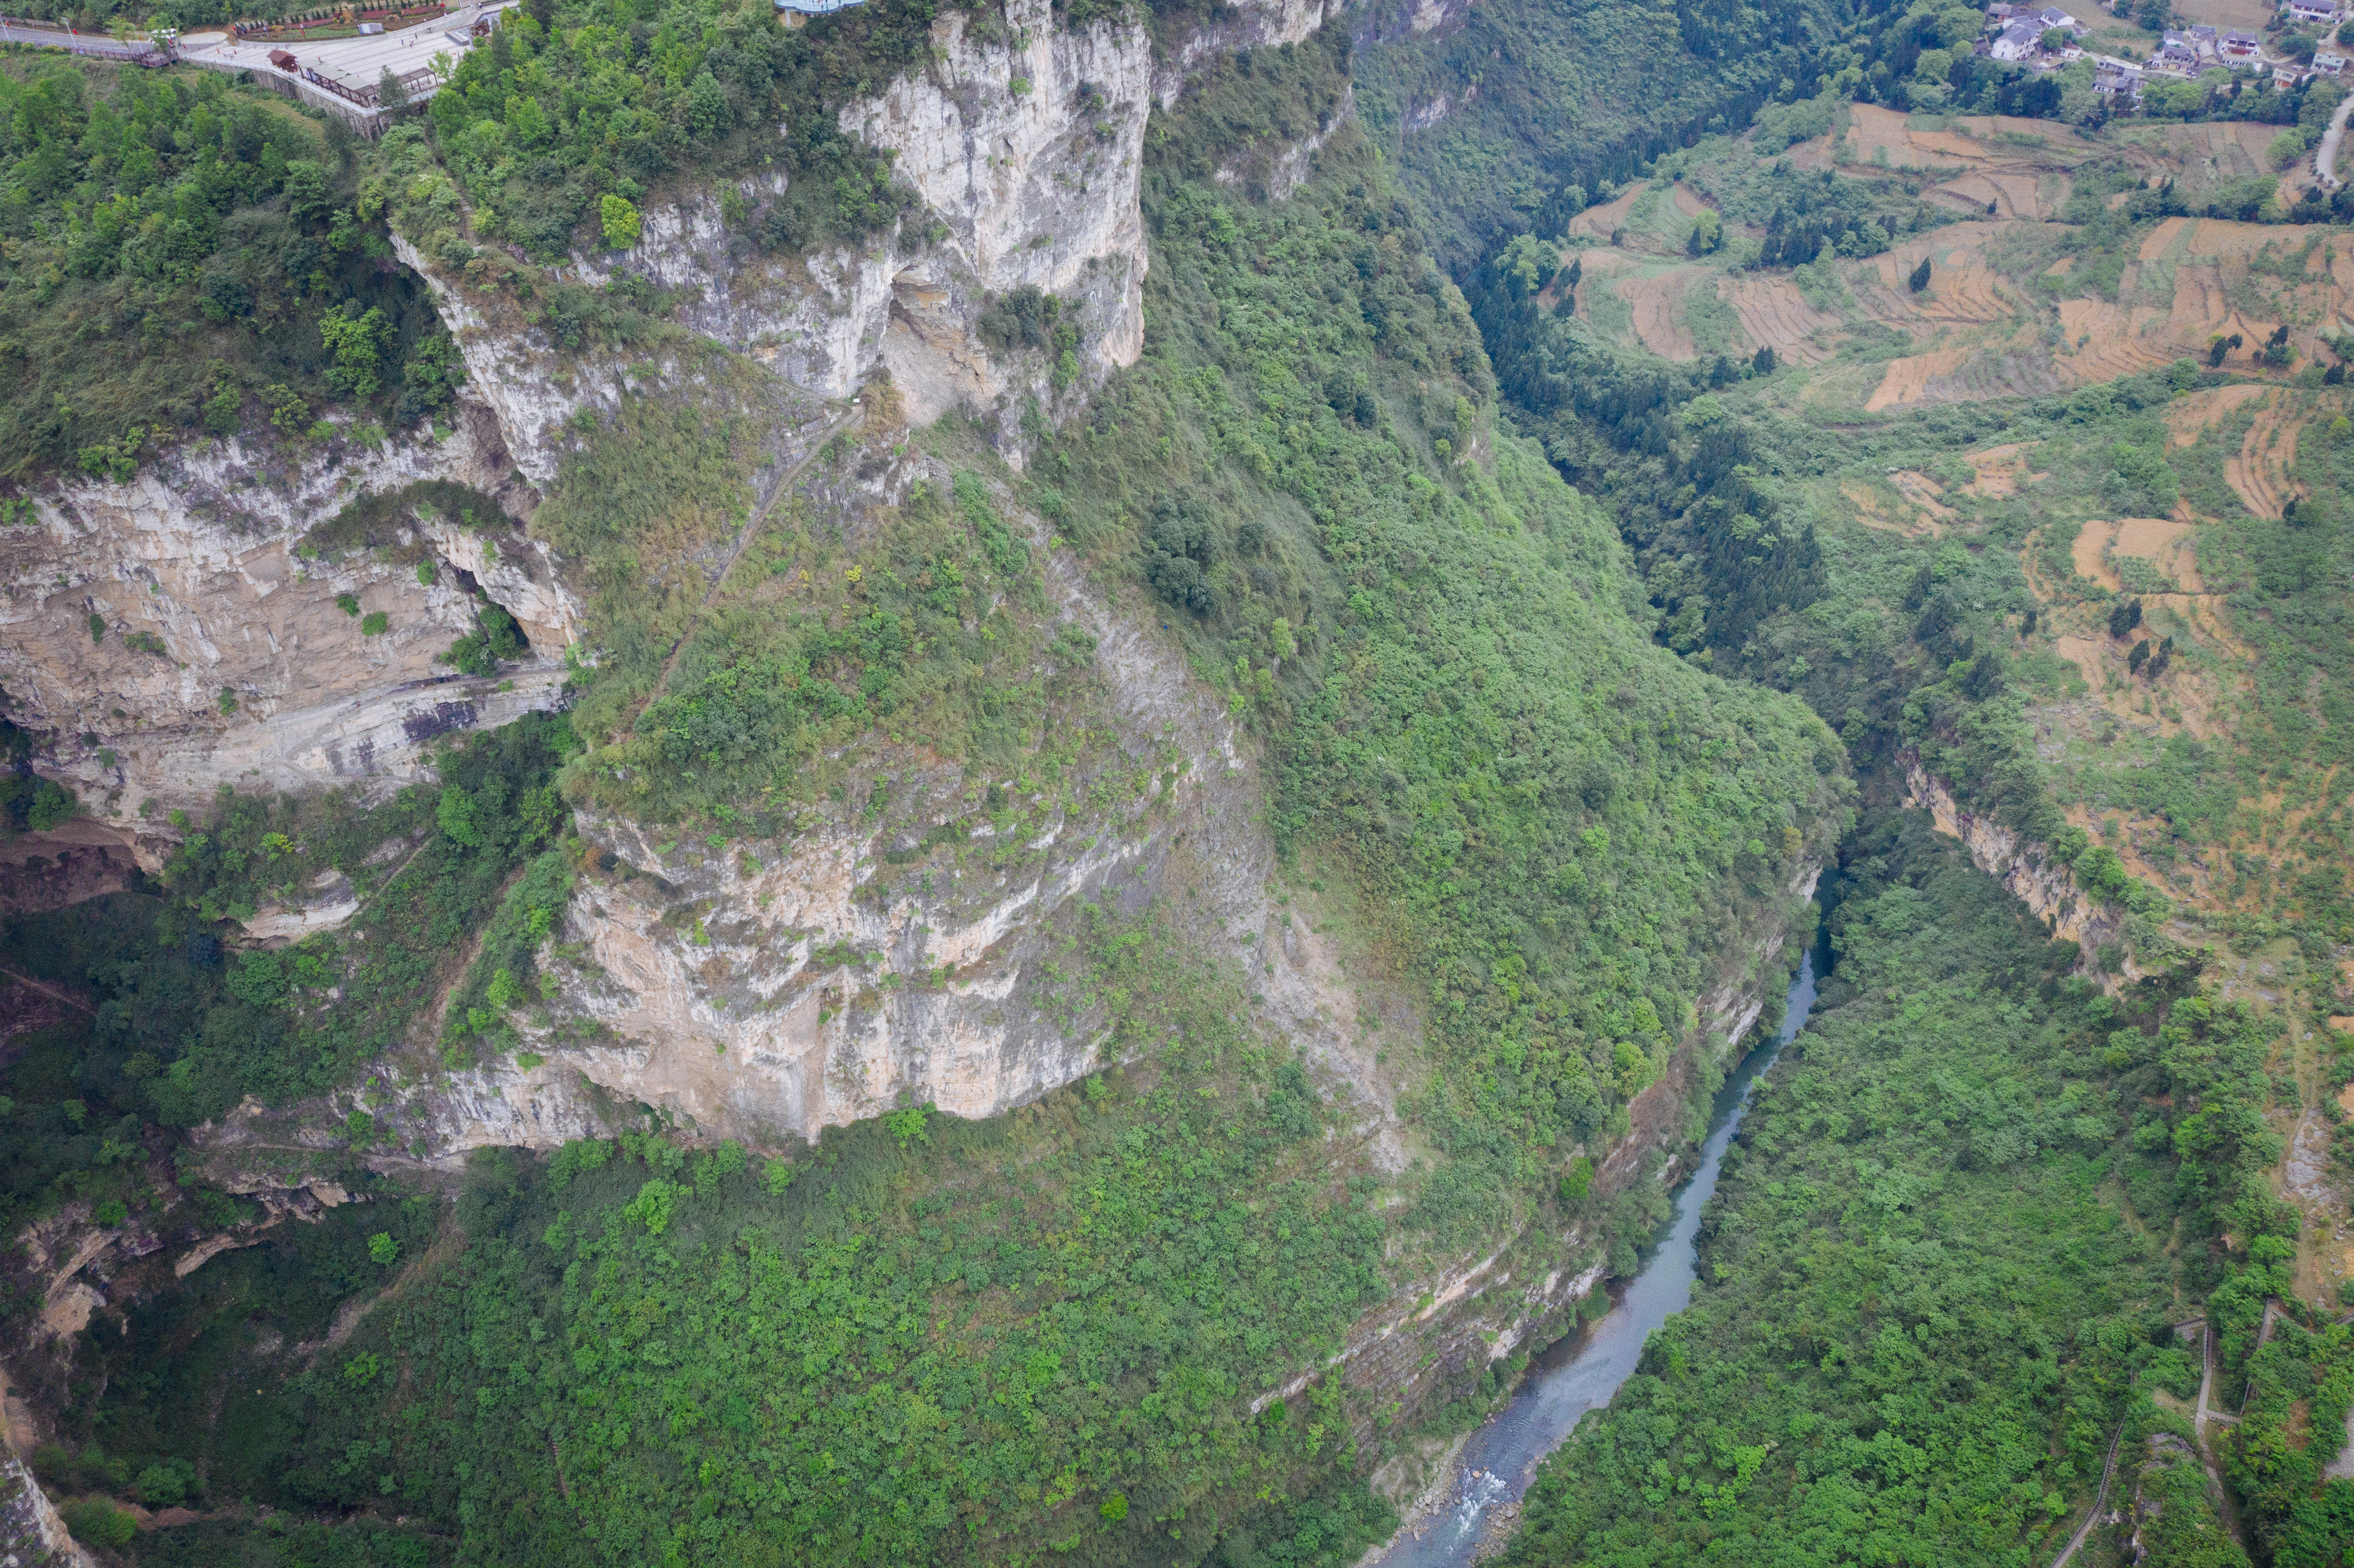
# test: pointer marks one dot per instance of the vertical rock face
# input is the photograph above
(176, 621)
(1026, 143)
(1024, 140)
(31, 1533)
(2046, 886)
(830, 977)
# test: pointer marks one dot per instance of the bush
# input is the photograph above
(495, 638)
(98, 1523)
(621, 222)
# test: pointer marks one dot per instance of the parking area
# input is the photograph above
(342, 74)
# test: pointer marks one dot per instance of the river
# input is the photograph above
(1583, 1372)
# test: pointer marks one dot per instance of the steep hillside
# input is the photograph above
(2011, 445)
(1100, 889)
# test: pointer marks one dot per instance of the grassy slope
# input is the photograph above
(1568, 830)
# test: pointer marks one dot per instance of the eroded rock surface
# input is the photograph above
(172, 635)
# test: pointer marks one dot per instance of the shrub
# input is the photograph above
(98, 1523)
(621, 221)
(495, 637)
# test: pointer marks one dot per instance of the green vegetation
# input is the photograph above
(185, 257)
(1565, 825)
(555, 132)
(185, 1026)
(186, 1357)
(935, 629)
(1542, 106)
(1558, 654)
(1936, 1278)
(2299, 1389)
(640, 1353)
(496, 640)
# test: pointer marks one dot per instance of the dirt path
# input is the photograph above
(443, 1251)
(52, 995)
(385, 886)
(743, 542)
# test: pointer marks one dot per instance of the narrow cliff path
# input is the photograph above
(2198, 1420)
(743, 542)
(2100, 1501)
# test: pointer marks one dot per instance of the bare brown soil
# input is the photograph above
(1910, 379)
(1658, 304)
(1776, 315)
(2192, 412)
(2259, 471)
(2166, 543)
(2000, 470)
(1601, 222)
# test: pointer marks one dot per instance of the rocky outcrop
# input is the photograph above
(176, 632)
(779, 987)
(2037, 879)
(1025, 142)
(31, 1533)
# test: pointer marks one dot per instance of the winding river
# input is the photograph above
(1583, 1372)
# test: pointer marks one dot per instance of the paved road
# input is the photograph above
(2324, 162)
(97, 43)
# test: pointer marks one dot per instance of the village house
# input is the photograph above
(2116, 77)
(2177, 54)
(2329, 64)
(2319, 13)
(2020, 41)
(2240, 46)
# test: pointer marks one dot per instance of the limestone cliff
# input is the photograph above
(783, 990)
(825, 976)
(2044, 883)
(174, 634)
(31, 1533)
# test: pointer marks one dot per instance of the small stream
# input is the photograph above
(1581, 1373)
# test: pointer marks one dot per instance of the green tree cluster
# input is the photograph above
(182, 249)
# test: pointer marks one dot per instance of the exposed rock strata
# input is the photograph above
(2046, 886)
(175, 622)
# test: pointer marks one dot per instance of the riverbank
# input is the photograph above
(1472, 1504)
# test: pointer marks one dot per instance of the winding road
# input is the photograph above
(2324, 161)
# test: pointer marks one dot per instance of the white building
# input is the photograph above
(2020, 41)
